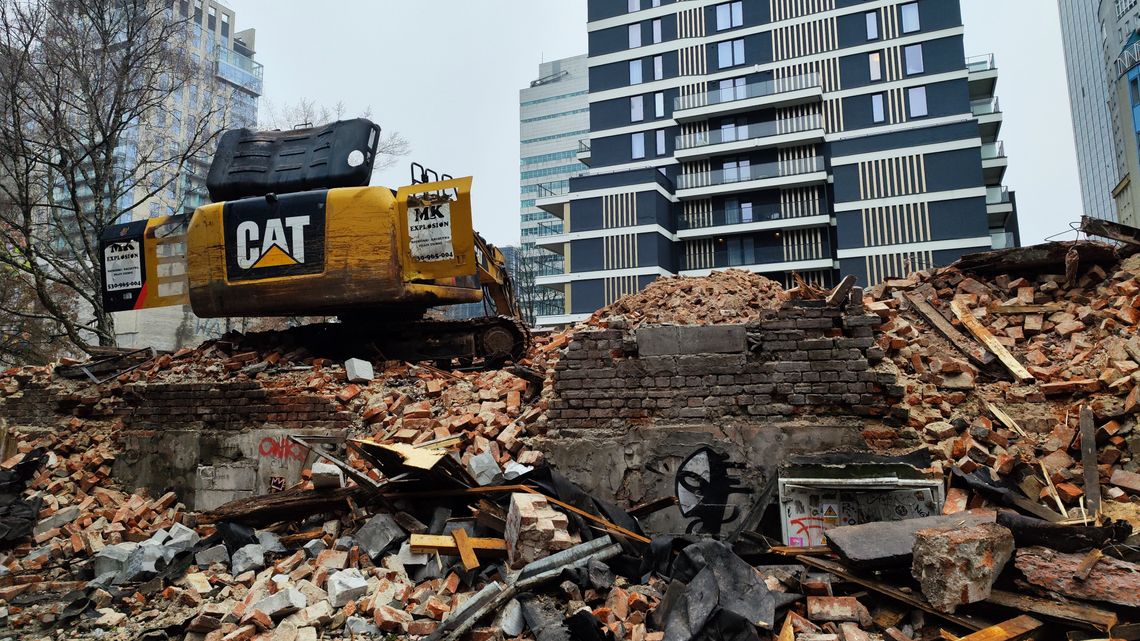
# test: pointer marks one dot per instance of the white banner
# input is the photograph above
(429, 233)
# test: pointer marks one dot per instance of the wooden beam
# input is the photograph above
(466, 551)
(1049, 257)
(1074, 612)
(1089, 460)
(1088, 563)
(649, 507)
(448, 546)
(787, 632)
(1021, 627)
(1111, 230)
(982, 334)
(972, 350)
(838, 295)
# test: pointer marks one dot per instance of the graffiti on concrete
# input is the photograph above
(281, 448)
(705, 482)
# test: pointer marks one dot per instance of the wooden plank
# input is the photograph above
(838, 295)
(447, 545)
(1021, 627)
(1074, 612)
(1053, 489)
(972, 350)
(649, 507)
(787, 632)
(1108, 229)
(1088, 563)
(466, 551)
(913, 598)
(1004, 418)
(982, 334)
(1047, 308)
(1088, 460)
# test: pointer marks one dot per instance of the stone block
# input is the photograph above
(346, 586)
(379, 534)
(957, 566)
(358, 370)
(881, 545)
(249, 557)
(282, 603)
(210, 556)
(484, 468)
(327, 475)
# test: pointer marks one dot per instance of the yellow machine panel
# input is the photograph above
(332, 252)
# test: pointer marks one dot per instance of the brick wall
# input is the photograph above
(804, 359)
(231, 405)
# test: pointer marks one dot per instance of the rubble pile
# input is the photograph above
(433, 517)
(1070, 344)
(730, 296)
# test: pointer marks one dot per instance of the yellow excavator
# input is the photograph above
(294, 230)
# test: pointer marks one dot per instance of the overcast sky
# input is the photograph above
(446, 75)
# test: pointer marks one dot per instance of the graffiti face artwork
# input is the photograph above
(703, 486)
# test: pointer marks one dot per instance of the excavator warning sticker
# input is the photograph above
(123, 264)
(429, 233)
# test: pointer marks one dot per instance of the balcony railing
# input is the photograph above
(584, 146)
(997, 195)
(750, 132)
(745, 92)
(548, 229)
(993, 150)
(750, 172)
(985, 107)
(978, 64)
(555, 188)
(240, 70)
(754, 214)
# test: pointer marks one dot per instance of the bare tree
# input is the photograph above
(87, 136)
(308, 113)
(534, 299)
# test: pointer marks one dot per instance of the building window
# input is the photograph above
(656, 31)
(873, 25)
(659, 105)
(875, 59)
(878, 111)
(913, 55)
(729, 15)
(730, 53)
(910, 21)
(736, 212)
(733, 89)
(634, 36)
(736, 170)
(635, 72)
(658, 68)
(634, 5)
(660, 142)
(637, 141)
(917, 96)
(1134, 89)
(636, 109)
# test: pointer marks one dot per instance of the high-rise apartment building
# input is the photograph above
(1084, 44)
(554, 122)
(820, 137)
(226, 93)
(1119, 21)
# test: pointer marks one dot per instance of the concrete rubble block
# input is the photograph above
(59, 519)
(249, 557)
(355, 626)
(484, 468)
(889, 544)
(327, 475)
(345, 586)
(1110, 581)
(379, 534)
(837, 609)
(112, 558)
(358, 370)
(144, 562)
(210, 556)
(956, 566)
(270, 542)
(281, 603)
(307, 633)
(391, 619)
(182, 538)
(315, 547)
(535, 530)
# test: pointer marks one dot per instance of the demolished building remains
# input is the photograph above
(950, 455)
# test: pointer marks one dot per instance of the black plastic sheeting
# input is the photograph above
(18, 516)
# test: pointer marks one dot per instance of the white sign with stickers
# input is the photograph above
(123, 264)
(429, 233)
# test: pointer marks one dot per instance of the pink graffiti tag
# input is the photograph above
(281, 448)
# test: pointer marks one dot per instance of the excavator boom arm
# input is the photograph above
(496, 278)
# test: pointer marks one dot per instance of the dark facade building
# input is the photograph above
(820, 137)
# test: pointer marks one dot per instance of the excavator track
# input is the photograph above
(488, 342)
